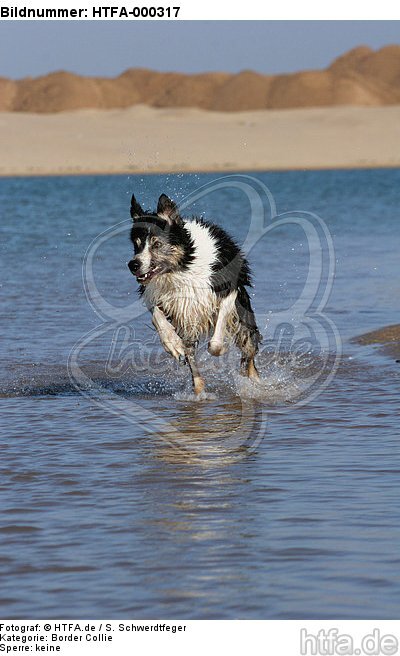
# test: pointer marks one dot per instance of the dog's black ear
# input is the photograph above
(136, 210)
(168, 210)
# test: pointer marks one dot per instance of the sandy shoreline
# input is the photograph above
(147, 140)
(387, 338)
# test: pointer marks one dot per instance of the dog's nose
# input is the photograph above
(133, 266)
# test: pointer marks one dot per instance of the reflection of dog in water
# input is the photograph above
(193, 279)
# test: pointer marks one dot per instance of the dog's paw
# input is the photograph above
(216, 348)
(173, 345)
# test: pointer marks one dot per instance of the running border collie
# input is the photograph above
(193, 279)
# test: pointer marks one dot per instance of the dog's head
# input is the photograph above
(160, 241)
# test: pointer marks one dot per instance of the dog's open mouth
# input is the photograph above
(149, 275)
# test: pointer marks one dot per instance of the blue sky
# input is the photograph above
(108, 48)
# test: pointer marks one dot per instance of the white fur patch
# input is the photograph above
(206, 251)
(145, 257)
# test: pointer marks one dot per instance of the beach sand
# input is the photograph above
(143, 139)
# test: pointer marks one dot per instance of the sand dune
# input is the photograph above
(144, 121)
(147, 139)
(360, 77)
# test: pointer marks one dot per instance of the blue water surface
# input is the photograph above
(121, 496)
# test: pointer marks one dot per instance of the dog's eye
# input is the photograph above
(156, 243)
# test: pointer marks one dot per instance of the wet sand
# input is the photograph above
(388, 338)
(144, 139)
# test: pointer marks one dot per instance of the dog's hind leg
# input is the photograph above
(198, 380)
(248, 368)
(248, 336)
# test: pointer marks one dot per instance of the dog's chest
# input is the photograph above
(186, 300)
(186, 297)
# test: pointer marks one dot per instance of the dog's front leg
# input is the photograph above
(216, 345)
(171, 342)
(198, 380)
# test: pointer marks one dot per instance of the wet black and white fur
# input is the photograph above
(193, 279)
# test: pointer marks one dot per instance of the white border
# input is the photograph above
(203, 637)
(222, 10)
